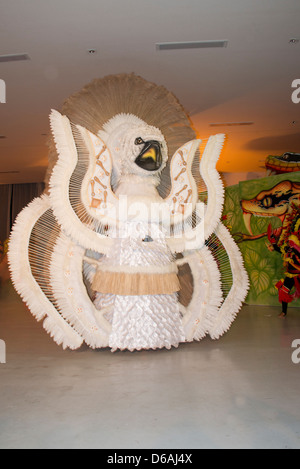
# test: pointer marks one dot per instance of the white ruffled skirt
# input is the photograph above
(141, 321)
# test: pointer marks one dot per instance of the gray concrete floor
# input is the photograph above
(241, 391)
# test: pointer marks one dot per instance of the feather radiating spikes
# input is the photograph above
(239, 289)
(207, 297)
(106, 97)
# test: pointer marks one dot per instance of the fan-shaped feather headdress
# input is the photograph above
(104, 98)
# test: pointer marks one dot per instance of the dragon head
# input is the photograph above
(271, 203)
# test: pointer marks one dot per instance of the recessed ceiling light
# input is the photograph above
(13, 57)
(221, 124)
(9, 172)
(294, 40)
(191, 45)
(92, 51)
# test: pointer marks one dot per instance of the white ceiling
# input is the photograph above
(249, 80)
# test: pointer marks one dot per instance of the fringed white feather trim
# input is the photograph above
(239, 289)
(25, 283)
(207, 297)
(71, 295)
(59, 188)
(211, 177)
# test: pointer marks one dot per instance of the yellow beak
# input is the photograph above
(151, 153)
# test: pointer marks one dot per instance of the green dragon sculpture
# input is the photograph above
(275, 202)
(287, 163)
(283, 202)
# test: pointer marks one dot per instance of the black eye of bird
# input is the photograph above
(138, 141)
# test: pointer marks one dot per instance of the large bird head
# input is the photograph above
(137, 148)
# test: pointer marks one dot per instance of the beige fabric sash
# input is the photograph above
(123, 283)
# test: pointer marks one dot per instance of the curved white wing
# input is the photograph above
(207, 216)
(47, 271)
(37, 294)
(239, 289)
(97, 196)
(207, 297)
(71, 295)
(72, 210)
(183, 196)
(214, 305)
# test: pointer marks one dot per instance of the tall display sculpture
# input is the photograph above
(126, 249)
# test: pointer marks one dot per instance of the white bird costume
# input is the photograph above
(121, 251)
